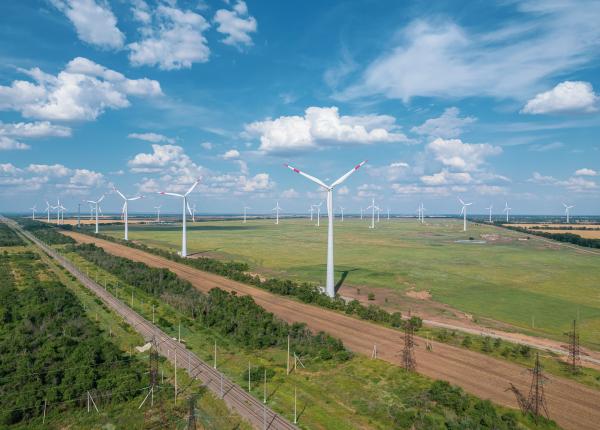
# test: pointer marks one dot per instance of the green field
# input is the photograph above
(508, 280)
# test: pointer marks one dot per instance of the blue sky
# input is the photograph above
(489, 102)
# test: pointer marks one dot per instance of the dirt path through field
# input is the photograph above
(572, 405)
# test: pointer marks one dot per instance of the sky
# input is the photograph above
(493, 103)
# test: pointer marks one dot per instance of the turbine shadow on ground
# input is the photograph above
(340, 283)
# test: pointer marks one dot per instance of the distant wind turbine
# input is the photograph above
(342, 211)
(96, 208)
(567, 211)
(312, 210)
(194, 212)
(388, 214)
(507, 210)
(361, 213)
(48, 210)
(184, 206)
(490, 213)
(373, 209)
(277, 208)
(422, 211)
(157, 213)
(33, 209)
(245, 208)
(125, 209)
(318, 213)
(330, 287)
(463, 212)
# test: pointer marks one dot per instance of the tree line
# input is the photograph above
(560, 237)
(8, 237)
(45, 232)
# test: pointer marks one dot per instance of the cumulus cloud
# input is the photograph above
(575, 184)
(8, 143)
(416, 189)
(445, 178)
(433, 58)
(82, 91)
(391, 172)
(34, 129)
(86, 178)
(171, 38)
(94, 22)
(343, 191)
(236, 24)
(323, 126)
(448, 125)
(231, 154)
(462, 156)
(566, 97)
(151, 137)
(207, 145)
(586, 172)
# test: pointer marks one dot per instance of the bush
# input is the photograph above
(467, 342)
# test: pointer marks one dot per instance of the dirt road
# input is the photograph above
(572, 405)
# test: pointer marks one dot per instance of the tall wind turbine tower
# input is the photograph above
(33, 208)
(184, 206)
(490, 213)
(507, 210)
(157, 213)
(330, 286)
(245, 209)
(277, 208)
(388, 214)
(125, 210)
(318, 213)
(567, 211)
(373, 209)
(463, 212)
(48, 207)
(422, 211)
(96, 208)
(342, 211)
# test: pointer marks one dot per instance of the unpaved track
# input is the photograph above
(572, 405)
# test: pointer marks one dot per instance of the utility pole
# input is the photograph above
(295, 406)
(215, 362)
(249, 377)
(537, 399)
(573, 347)
(288, 356)
(408, 354)
(265, 387)
(176, 376)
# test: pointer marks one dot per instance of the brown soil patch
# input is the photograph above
(419, 295)
(572, 405)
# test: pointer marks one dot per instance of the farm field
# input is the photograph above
(592, 232)
(536, 286)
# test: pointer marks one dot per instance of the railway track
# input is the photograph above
(237, 399)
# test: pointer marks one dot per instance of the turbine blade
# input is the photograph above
(123, 208)
(188, 208)
(461, 202)
(119, 193)
(343, 178)
(192, 187)
(164, 193)
(101, 198)
(309, 177)
(135, 198)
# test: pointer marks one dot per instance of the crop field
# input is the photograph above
(536, 286)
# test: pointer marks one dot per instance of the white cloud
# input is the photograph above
(343, 191)
(490, 190)
(433, 58)
(86, 178)
(575, 184)
(586, 172)
(162, 156)
(445, 178)
(236, 24)
(171, 38)
(9, 169)
(323, 126)
(368, 190)
(414, 189)
(82, 91)
(34, 129)
(49, 169)
(290, 194)
(448, 125)
(207, 145)
(8, 144)
(544, 147)
(231, 154)
(391, 172)
(151, 137)
(462, 156)
(259, 182)
(566, 97)
(94, 21)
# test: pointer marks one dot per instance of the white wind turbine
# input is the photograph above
(62, 210)
(388, 214)
(91, 211)
(194, 212)
(157, 213)
(373, 209)
(33, 208)
(96, 205)
(125, 209)
(48, 210)
(422, 210)
(507, 210)
(318, 213)
(184, 206)
(490, 213)
(245, 209)
(378, 212)
(463, 212)
(329, 286)
(342, 211)
(361, 213)
(277, 208)
(57, 207)
(567, 211)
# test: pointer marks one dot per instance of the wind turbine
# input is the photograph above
(33, 212)
(184, 206)
(373, 208)
(361, 213)
(567, 211)
(507, 210)
(157, 213)
(125, 210)
(388, 214)
(329, 286)
(277, 208)
(463, 212)
(48, 210)
(490, 216)
(245, 208)
(318, 213)
(96, 208)
(91, 211)
(312, 210)
(62, 210)
(378, 212)
(194, 212)
(342, 211)
(57, 207)
(422, 213)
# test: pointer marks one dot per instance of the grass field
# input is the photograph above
(520, 282)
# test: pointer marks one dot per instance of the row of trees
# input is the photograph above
(8, 237)
(51, 353)
(561, 237)
(237, 317)
(303, 291)
(47, 233)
